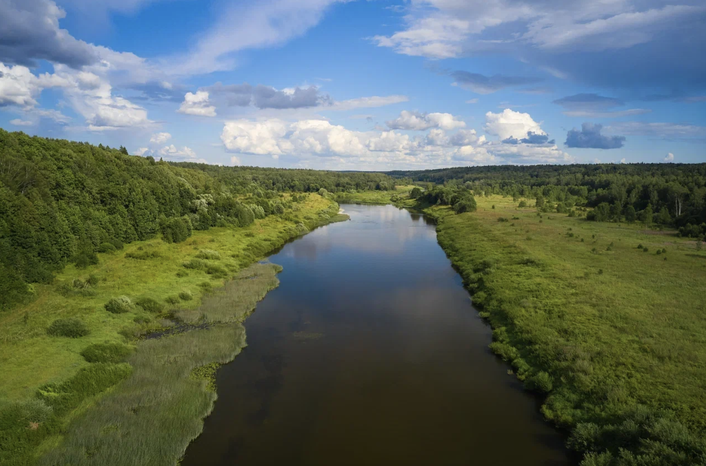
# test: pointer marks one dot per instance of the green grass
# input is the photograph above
(148, 274)
(584, 315)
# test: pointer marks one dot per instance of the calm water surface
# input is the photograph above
(370, 353)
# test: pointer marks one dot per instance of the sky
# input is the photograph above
(361, 85)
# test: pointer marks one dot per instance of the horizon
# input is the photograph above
(360, 85)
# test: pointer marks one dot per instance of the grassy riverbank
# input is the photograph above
(606, 319)
(56, 402)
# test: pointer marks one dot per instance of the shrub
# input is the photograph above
(172, 299)
(71, 328)
(106, 352)
(540, 382)
(182, 273)
(175, 230)
(208, 254)
(106, 247)
(216, 271)
(88, 381)
(23, 413)
(119, 305)
(142, 255)
(522, 204)
(92, 280)
(150, 305)
(194, 264)
(186, 295)
(645, 249)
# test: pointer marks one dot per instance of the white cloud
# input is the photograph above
(510, 123)
(623, 160)
(669, 157)
(185, 154)
(142, 151)
(247, 25)
(472, 101)
(18, 122)
(235, 161)
(367, 102)
(197, 104)
(160, 138)
(659, 130)
(416, 121)
(19, 87)
(335, 146)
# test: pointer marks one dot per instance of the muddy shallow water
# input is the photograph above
(370, 353)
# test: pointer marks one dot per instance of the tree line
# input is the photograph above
(666, 194)
(62, 202)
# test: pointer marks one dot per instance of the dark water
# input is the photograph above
(370, 353)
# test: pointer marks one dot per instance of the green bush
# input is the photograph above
(197, 264)
(71, 328)
(150, 305)
(172, 299)
(208, 254)
(142, 255)
(119, 305)
(175, 230)
(216, 271)
(88, 381)
(182, 273)
(106, 247)
(186, 295)
(106, 352)
(540, 382)
(22, 413)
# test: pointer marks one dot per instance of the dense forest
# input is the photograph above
(666, 194)
(61, 202)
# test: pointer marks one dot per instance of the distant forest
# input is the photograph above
(666, 194)
(62, 202)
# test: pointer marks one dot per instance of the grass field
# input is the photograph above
(49, 392)
(607, 319)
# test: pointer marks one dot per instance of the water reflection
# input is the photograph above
(370, 353)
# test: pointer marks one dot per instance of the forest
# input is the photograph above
(671, 195)
(62, 202)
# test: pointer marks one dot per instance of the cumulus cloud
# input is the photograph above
(416, 121)
(509, 123)
(160, 138)
(91, 95)
(595, 106)
(243, 95)
(29, 31)
(590, 137)
(184, 154)
(532, 138)
(669, 157)
(197, 104)
(335, 144)
(142, 151)
(481, 84)
(19, 87)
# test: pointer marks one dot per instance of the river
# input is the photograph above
(371, 353)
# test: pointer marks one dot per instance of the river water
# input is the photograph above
(370, 353)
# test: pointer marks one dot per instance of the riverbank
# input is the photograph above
(605, 320)
(58, 404)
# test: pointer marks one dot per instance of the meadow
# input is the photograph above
(605, 320)
(108, 392)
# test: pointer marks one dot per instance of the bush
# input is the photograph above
(217, 271)
(540, 382)
(195, 264)
(23, 413)
(522, 204)
(150, 305)
(172, 299)
(119, 305)
(106, 247)
(175, 230)
(106, 352)
(186, 295)
(208, 254)
(88, 381)
(182, 273)
(71, 328)
(142, 255)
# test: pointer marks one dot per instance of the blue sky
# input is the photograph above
(361, 84)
